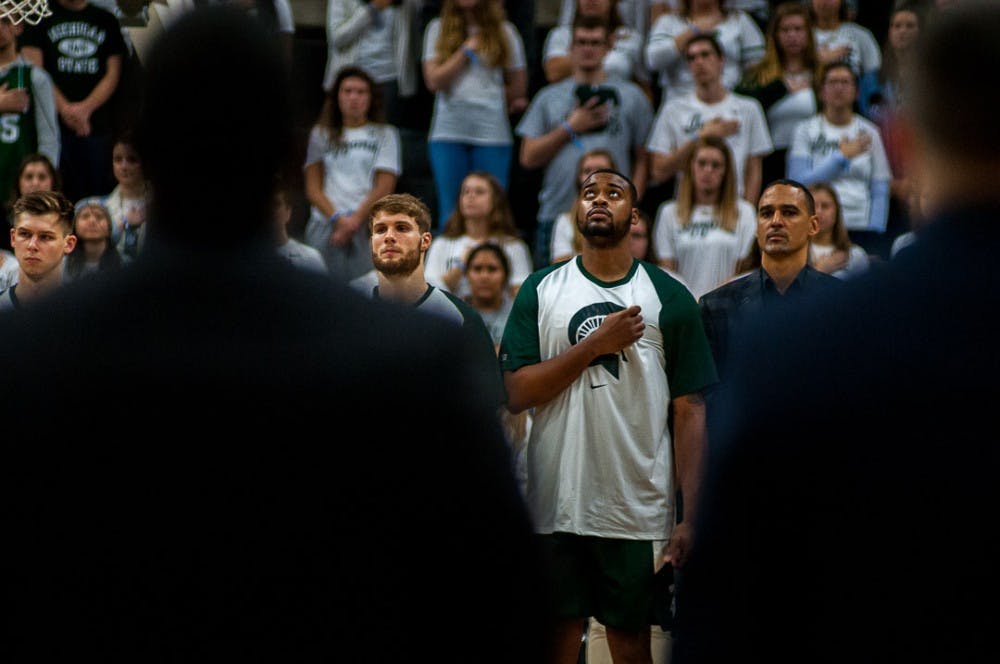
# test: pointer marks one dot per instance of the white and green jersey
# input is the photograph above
(600, 459)
(35, 130)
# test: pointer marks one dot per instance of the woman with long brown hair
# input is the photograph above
(482, 214)
(474, 63)
(352, 160)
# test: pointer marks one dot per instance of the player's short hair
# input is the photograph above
(45, 202)
(403, 204)
(794, 184)
(633, 192)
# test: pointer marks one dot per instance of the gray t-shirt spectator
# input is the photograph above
(627, 130)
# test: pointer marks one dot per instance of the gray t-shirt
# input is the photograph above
(473, 109)
(627, 129)
(376, 48)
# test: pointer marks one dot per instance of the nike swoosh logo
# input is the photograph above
(594, 387)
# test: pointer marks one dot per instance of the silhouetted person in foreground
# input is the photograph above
(850, 510)
(213, 456)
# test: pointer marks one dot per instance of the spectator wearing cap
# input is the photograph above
(95, 251)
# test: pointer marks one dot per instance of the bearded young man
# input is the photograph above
(400, 226)
(600, 347)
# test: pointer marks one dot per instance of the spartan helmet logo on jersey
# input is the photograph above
(588, 319)
(29, 11)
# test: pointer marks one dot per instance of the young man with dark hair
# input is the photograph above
(602, 347)
(710, 110)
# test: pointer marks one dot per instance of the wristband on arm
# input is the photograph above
(572, 134)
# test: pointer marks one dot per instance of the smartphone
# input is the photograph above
(605, 93)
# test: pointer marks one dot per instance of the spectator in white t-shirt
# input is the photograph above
(710, 110)
(352, 160)
(378, 37)
(623, 60)
(845, 149)
(482, 214)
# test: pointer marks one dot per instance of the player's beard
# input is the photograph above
(403, 265)
(604, 235)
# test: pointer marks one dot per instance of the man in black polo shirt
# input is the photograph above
(786, 221)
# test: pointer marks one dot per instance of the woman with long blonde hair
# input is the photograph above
(473, 59)
(704, 232)
(783, 81)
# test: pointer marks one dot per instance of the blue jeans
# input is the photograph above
(451, 162)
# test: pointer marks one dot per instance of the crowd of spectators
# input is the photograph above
(698, 106)
(644, 81)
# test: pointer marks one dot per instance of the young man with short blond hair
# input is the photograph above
(42, 236)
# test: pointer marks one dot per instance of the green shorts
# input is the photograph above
(609, 579)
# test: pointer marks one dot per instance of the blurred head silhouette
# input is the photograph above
(216, 96)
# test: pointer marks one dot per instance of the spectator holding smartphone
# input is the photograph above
(559, 127)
